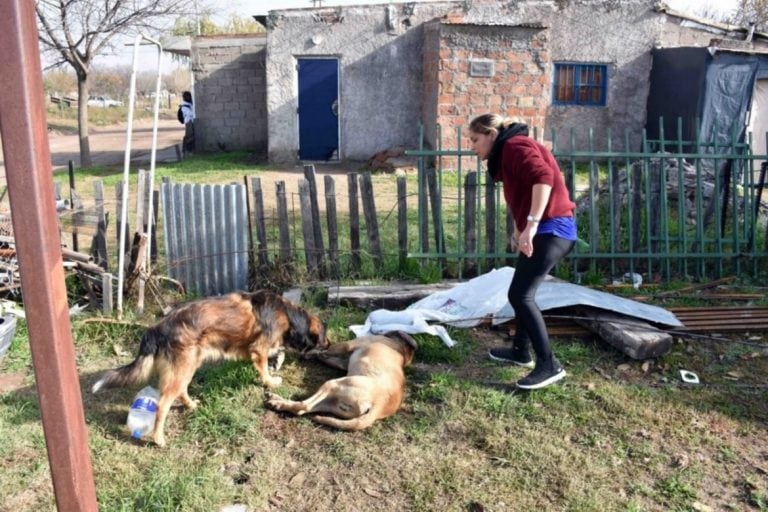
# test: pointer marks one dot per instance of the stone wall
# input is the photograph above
(230, 92)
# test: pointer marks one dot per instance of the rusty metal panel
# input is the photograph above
(206, 236)
(33, 208)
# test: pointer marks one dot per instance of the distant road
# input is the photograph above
(108, 145)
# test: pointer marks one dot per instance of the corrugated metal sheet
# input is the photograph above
(206, 236)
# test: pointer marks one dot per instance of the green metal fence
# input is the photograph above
(675, 209)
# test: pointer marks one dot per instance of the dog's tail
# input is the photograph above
(353, 424)
(140, 369)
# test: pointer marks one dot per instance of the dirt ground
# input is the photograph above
(108, 148)
(108, 144)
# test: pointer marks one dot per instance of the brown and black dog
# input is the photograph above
(373, 388)
(241, 325)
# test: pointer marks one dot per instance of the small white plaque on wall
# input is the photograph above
(481, 67)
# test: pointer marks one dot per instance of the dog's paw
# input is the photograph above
(159, 440)
(274, 402)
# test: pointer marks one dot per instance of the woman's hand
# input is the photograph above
(525, 240)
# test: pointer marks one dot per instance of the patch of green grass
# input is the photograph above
(432, 349)
(603, 439)
(220, 168)
(162, 487)
(676, 491)
(18, 355)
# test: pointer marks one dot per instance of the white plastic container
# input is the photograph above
(143, 411)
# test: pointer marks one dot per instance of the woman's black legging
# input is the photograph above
(529, 273)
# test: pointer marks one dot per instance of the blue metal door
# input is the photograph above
(318, 109)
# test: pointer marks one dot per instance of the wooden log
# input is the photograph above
(89, 267)
(354, 225)
(633, 337)
(69, 254)
(317, 231)
(282, 223)
(371, 222)
(470, 223)
(307, 228)
(333, 226)
(402, 221)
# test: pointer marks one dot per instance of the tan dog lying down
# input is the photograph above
(373, 388)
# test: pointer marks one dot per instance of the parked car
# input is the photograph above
(103, 101)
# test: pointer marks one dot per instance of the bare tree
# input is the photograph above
(752, 11)
(74, 32)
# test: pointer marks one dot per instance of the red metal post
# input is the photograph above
(30, 184)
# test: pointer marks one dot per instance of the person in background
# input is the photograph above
(188, 112)
(544, 232)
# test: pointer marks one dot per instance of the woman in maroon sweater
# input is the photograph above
(544, 233)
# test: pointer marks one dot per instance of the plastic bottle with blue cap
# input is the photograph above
(143, 411)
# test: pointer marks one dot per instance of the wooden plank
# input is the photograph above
(307, 228)
(354, 225)
(371, 222)
(282, 222)
(317, 231)
(257, 194)
(333, 227)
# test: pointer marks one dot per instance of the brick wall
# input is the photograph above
(230, 92)
(479, 69)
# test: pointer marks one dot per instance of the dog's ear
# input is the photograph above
(404, 336)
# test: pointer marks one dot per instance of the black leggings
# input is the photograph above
(529, 273)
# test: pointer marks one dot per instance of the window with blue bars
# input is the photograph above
(580, 84)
